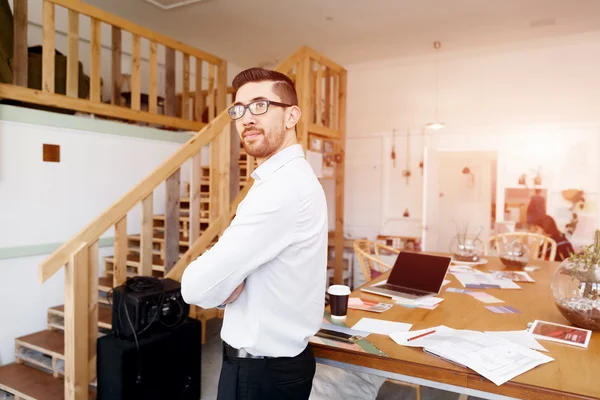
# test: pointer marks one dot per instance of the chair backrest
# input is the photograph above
(537, 243)
(368, 253)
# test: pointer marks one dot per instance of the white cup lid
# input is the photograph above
(338, 290)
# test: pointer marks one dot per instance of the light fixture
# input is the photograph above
(437, 125)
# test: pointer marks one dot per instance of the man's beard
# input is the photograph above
(263, 146)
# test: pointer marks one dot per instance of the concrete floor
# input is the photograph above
(211, 368)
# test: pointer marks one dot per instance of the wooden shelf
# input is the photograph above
(47, 342)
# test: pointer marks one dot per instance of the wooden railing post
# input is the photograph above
(77, 330)
(73, 55)
(146, 236)
(304, 96)
(195, 198)
(116, 66)
(20, 43)
(48, 47)
(95, 87)
(224, 161)
(172, 215)
(170, 99)
(121, 250)
(198, 96)
(339, 184)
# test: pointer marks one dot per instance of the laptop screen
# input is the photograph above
(419, 271)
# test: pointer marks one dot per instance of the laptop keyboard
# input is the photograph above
(401, 289)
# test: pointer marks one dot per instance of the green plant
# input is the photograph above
(585, 266)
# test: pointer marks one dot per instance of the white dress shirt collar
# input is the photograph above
(276, 161)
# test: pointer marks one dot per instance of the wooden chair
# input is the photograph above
(537, 243)
(368, 255)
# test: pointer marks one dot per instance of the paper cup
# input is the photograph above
(338, 300)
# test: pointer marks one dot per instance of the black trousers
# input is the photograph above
(288, 378)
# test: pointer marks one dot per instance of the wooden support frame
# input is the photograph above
(20, 63)
(76, 325)
(172, 213)
(73, 55)
(48, 47)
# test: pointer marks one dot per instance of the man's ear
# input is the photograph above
(293, 117)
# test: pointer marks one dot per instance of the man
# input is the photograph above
(270, 266)
(536, 207)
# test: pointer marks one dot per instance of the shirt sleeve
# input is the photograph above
(263, 227)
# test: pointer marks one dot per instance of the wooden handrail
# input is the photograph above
(104, 16)
(108, 218)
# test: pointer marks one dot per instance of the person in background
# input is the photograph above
(547, 226)
(269, 267)
(536, 207)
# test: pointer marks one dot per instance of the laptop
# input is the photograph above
(414, 276)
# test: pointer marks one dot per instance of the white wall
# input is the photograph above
(61, 26)
(536, 104)
(49, 202)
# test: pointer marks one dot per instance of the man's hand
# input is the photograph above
(235, 294)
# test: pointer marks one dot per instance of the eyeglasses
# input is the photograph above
(258, 107)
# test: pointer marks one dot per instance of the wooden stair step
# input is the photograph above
(133, 260)
(30, 383)
(104, 316)
(48, 342)
(159, 237)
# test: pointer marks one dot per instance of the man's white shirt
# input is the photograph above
(277, 243)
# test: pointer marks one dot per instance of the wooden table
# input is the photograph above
(574, 373)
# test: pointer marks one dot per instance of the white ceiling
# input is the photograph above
(253, 32)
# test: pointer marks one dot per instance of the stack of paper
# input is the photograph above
(494, 357)
(429, 303)
(515, 276)
(484, 281)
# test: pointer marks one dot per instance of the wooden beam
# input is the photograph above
(198, 96)
(234, 156)
(214, 181)
(339, 186)
(172, 212)
(136, 78)
(20, 58)
(224, 174)
(304, 86)
(185, 92)
(335, 109)
(95, 67)
(153, 84)
(76, 325)
(327, 98)
(61, 101)
(111, 19)
(317, 96)
(121, 250)
(211, 92)
(92, 308)
(48, 47)
(221, 86)
(73, 55)
(322, 60)
(195, 198)
(323, 131)
(116, 66)
(170, 98)
(146, 236)
(286, 66)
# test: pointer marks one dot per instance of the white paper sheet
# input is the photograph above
(484, 281)
(495, 358)
(381, 327)
(427, 301)
(523, 338)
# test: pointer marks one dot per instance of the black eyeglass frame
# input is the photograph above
(247, 107)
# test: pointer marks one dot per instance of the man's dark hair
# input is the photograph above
(283, 87)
